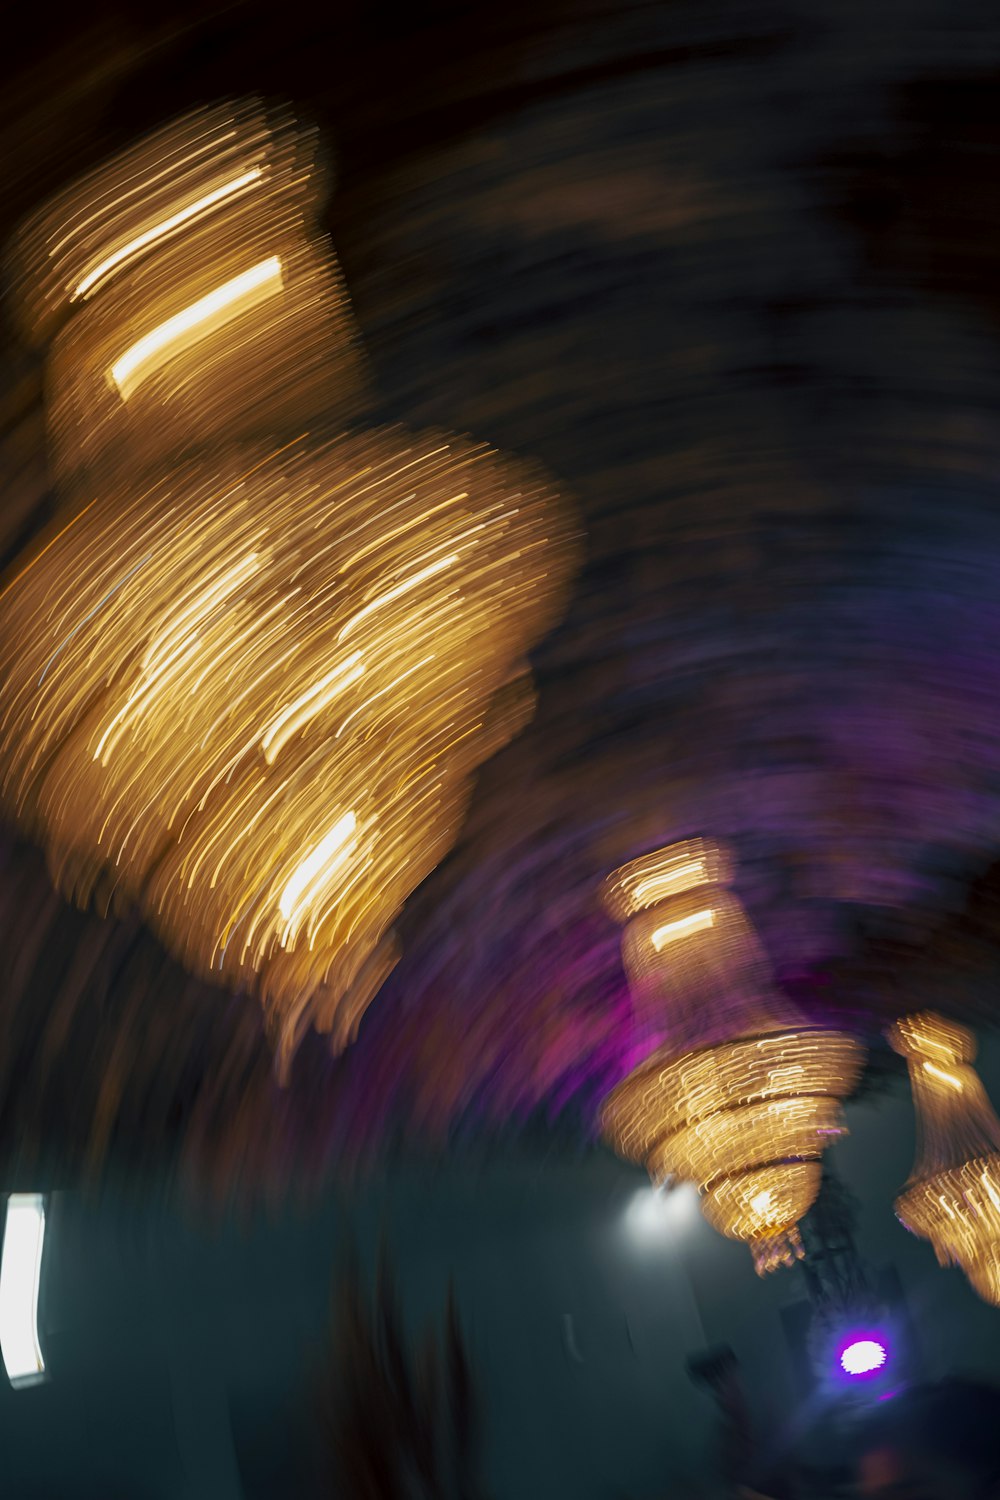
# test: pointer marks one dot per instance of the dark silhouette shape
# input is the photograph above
(941, 1442)
(396, 1424)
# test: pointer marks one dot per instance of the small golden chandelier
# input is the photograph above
(952, 1197)
(248, 676)
(744, 1095)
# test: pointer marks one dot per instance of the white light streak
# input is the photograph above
(330, 851)
(20, 1273)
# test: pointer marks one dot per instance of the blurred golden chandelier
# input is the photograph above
(952, 1197)
(744, 1095)
(248, 674)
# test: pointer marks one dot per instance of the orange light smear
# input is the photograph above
(51, 543)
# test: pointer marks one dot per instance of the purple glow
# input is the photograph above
(863, 1354)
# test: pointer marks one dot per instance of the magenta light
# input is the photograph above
(863, 1356)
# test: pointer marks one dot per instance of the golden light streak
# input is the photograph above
(670, 882)
(238, 295)
(948, 1078)
(684, 927)
(663, 873)
(317, 867)
(172, 649)
(165, 227)
(307, 705)
(42, 551)
(991, 1191)
(400, 589)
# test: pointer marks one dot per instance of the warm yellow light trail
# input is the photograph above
(945, 1077)
(329, 854)
(671, 932)
(396, 593)
(201, 319)
(669, 883)
(164, 228)
(308, 704)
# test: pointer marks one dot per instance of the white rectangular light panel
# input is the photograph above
(20, 1272)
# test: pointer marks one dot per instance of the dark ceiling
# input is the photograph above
(731, 273)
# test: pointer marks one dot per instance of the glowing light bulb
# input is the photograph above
(863, 1356)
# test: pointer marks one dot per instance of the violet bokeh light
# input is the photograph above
(862, 1355)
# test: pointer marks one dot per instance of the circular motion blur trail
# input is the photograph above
(725, 271)
(246, 684)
